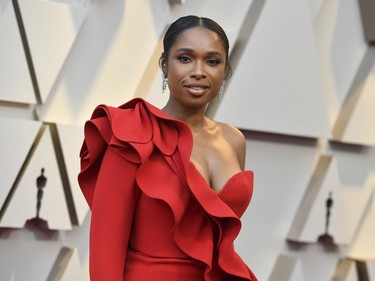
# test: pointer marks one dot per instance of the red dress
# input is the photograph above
(154, 218)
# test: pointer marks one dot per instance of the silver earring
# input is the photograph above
(221, 91)
(164, 83)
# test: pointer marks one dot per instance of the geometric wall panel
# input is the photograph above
(368, 12)
(357, 202)
(282, 167)
(122, 34)
(318, 263)
(352, 275)
(27, 258)
(371, 269)
(17, 137)
(340, 48)
(345, 271)
(51, 29)
(73, 270)
(343, 215)
(277, 77)
(356, 163)
(71, 141)
(315, 6)
(338, 227)
(287, 268)
(324, 30)
(328, 188)
(361, 126)
(66, 267)
(15, 81)
(347, 46)
(29, 191)
(363, 247)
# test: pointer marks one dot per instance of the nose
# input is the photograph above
(198, 71)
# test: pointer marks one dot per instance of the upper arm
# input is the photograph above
(112, 215)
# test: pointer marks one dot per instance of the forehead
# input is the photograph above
(199, 38)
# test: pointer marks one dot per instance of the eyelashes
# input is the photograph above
(213, 61)
(184, 59)
(187, 59)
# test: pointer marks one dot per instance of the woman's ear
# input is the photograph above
(164, 69)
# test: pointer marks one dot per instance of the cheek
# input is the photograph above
(173, 79)
(175, 76)
(218, 77)
(177, 70)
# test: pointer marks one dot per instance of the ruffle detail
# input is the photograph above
(143, 134)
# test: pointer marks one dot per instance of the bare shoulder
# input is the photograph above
(233, 135)
(236, 140)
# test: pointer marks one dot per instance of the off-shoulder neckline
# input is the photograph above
(227, 183)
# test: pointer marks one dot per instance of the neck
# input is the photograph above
(193, 117)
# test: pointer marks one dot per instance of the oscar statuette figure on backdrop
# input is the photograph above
(41, 182)
(326, 239)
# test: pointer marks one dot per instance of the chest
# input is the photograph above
(215, 159)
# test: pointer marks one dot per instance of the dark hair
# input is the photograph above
(187, 22)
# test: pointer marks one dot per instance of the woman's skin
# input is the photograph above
(195, 69)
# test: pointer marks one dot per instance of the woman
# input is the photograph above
(167, 187)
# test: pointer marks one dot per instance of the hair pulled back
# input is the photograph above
(187, 22)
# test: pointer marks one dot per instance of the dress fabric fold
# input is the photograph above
(154, 217)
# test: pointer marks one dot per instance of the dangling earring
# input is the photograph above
(221, 91)
(164, 83)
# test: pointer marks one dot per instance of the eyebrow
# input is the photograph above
(188, 50)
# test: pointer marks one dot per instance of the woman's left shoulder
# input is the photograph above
(232, 134)
(236, 139)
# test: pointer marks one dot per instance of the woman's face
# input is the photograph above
(195, 67)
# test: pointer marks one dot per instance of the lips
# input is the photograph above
(197, 86)
(196, 89)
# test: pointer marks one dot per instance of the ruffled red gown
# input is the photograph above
(154, 217)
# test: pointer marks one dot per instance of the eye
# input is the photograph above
(213, 61)
(184, 59)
